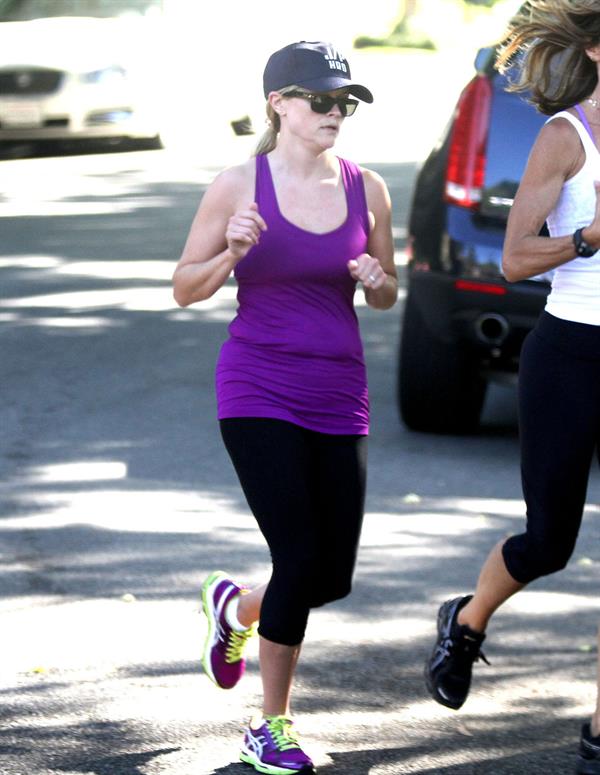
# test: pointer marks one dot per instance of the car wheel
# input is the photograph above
(439, 387)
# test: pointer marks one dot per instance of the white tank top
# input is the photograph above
(575, 293)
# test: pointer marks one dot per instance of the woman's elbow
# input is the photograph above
(510, 268)
(181, 292)
(180, 299)
(184, 294)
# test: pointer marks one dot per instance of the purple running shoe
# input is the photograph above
(222, 657)
(273, 748)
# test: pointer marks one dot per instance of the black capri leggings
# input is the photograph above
(307, 492)
(559, 420)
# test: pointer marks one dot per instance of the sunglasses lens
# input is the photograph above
(321, 103)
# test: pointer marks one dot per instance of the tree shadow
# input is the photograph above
(88, 747)
(121, 764)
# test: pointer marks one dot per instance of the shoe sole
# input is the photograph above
(248, 757)
(207, 588)
(433, 690)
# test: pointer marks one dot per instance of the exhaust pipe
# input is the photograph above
(491, 329)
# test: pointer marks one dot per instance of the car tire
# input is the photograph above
(439, 387)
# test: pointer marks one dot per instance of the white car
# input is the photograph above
(76, 69)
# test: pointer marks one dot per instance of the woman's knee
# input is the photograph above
(528, 558)
(310, 580)
(331, 582)
(328, 593)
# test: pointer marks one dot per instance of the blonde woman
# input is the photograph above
(555, 48)
(299, 227)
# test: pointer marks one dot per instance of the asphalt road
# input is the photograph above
(117, 499)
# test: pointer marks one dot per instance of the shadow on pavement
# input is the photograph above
(121, 764)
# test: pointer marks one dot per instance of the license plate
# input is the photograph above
(20, 114)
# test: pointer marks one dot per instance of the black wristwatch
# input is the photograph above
(582, 249)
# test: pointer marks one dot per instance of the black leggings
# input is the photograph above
(307, 492)
(559, 420)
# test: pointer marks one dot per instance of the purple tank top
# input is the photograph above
(294, 350)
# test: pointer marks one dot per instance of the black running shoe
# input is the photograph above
(448, 670)
(588, 760)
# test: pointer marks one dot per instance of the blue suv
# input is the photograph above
(463, 324)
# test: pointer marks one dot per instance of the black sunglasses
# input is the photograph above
(322, 103)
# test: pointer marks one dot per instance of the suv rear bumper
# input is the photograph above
(489, 318)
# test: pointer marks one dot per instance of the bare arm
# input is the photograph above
(556, 156)
(376, 269)
(222, 232)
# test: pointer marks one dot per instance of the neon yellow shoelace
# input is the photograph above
(236, 644)
(283, 735)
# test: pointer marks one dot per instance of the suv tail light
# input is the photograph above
(467, 153)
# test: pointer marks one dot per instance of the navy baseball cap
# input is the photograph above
(314, 66)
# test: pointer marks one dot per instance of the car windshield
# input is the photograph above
(27, 10)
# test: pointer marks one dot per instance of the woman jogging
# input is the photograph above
(300, 228)
(555, 44)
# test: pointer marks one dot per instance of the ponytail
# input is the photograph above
(268, 142)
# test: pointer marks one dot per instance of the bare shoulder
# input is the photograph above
(234, 184)
(373, 179)
(375, 188)
(558, 144)
(558, 131)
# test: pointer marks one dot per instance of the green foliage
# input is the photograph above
(402, 36)
(394, 41)
(365, 41)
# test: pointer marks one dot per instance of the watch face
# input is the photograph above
(582, 249)
(586, 250)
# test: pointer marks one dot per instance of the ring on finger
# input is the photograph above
(371, 278)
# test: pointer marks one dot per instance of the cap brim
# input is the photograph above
(335, 82)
